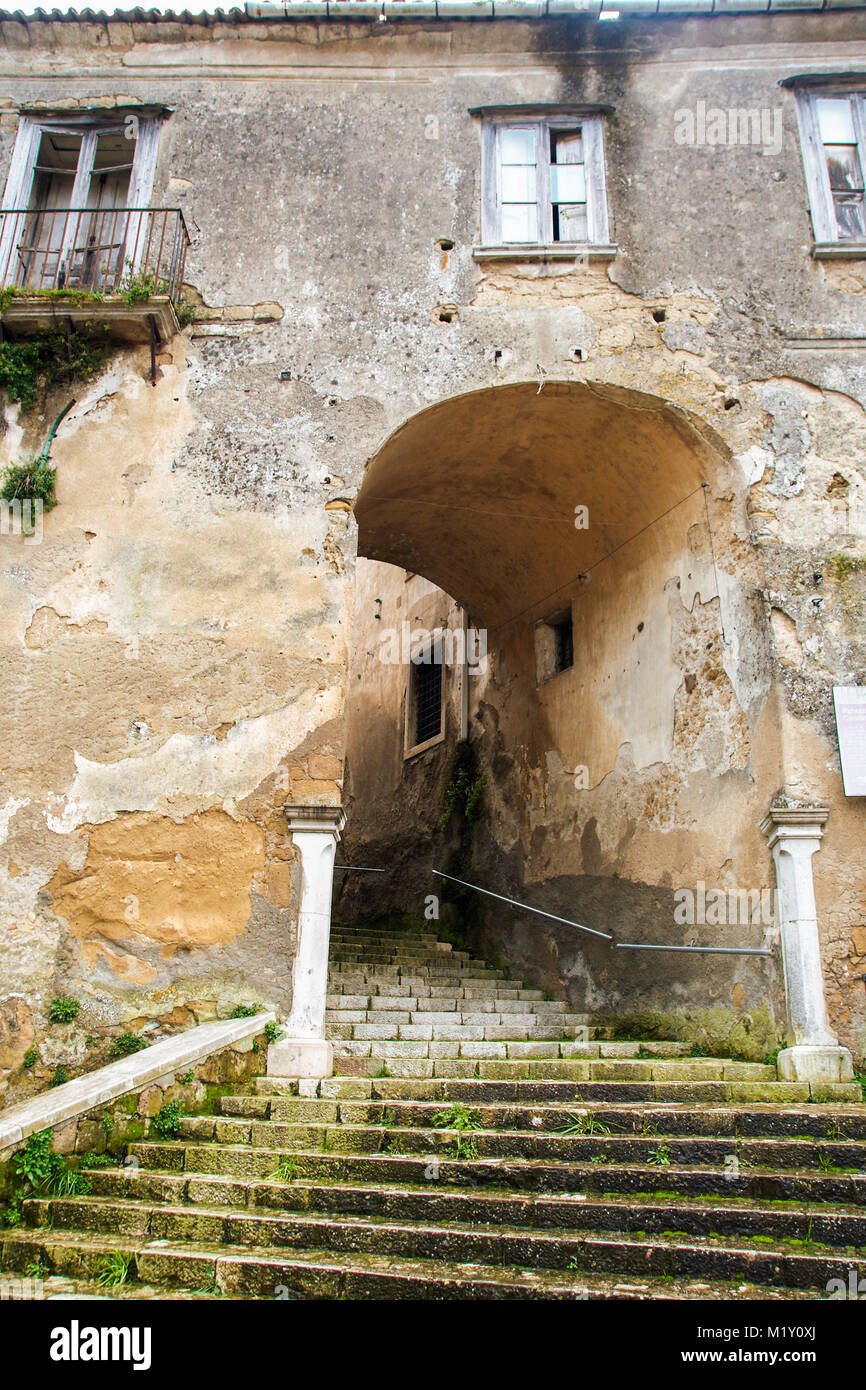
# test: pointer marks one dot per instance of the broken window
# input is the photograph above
(554, 645)
(544, 183)
(833, 128)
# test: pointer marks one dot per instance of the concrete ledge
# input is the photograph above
(126, 322)
(301, 1057)
(823, 1066)
(85, 1093)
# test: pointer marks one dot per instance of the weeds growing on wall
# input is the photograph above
(30, 367)
(35, 480)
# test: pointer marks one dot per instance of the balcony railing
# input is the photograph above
(104, 251)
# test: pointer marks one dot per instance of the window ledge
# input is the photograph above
(422, 747)
(559, 252)
(839, 250)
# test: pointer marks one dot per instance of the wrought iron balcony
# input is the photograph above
(123, 266)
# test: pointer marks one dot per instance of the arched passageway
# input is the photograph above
(626, 740)
(480, 493)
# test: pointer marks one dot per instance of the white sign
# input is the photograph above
(850, 703)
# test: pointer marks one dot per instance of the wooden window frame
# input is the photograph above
(410, 748)
(544, 122)
(827, 242)
(22, 170)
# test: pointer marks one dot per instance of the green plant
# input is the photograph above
(34, 480)
(30, 1058)
(28, 368)
(660, 1157)
(286, 1170)
(585, 1124)
(113, 1270)
(94, 1160)
(63, 1009)
(36, 1269)
(136, 288)
(69, 1183)
(59, 1076)
(188, 1077)
(273, 1032)
(458, 1117)
(465, 792)
(11, 1213)
(127, 1043)
(465, 1148)
(244, 1011)
(185, 311)
(167, 1123)
(36, 1164)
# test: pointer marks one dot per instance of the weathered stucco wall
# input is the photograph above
(175, 651)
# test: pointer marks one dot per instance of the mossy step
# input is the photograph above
(529, 1143)
(268, 1274)
(667, 1253)
(580, 1171)
(531, 1175)
(801, 1122)
(825, 1224)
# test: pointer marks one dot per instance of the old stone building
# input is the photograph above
(538, 325)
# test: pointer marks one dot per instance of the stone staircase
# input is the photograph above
(480, 1141)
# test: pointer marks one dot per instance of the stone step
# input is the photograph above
(249, 1273)
(457, 960)
(449, 1028)
(557, 1081)
(375, 986)
(634, 1251)
(246, 1164)
(528, 1143)
(450, 1003)
(811, 1122)
(473, 1044)
(827, 1224)
(340, 934)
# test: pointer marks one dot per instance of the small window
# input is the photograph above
(544, 183)
(833, 128)
(554, 645)
(425, 709)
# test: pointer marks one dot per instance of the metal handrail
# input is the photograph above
(622, 945)
(579, 925)
(93, 250)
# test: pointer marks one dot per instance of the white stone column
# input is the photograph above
(304, 1052)
(795, 835)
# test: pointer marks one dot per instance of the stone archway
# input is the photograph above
(641, 765)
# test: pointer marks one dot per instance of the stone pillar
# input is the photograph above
(304, 1052)
(794, 835)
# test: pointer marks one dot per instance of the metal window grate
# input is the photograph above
(428, 699)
